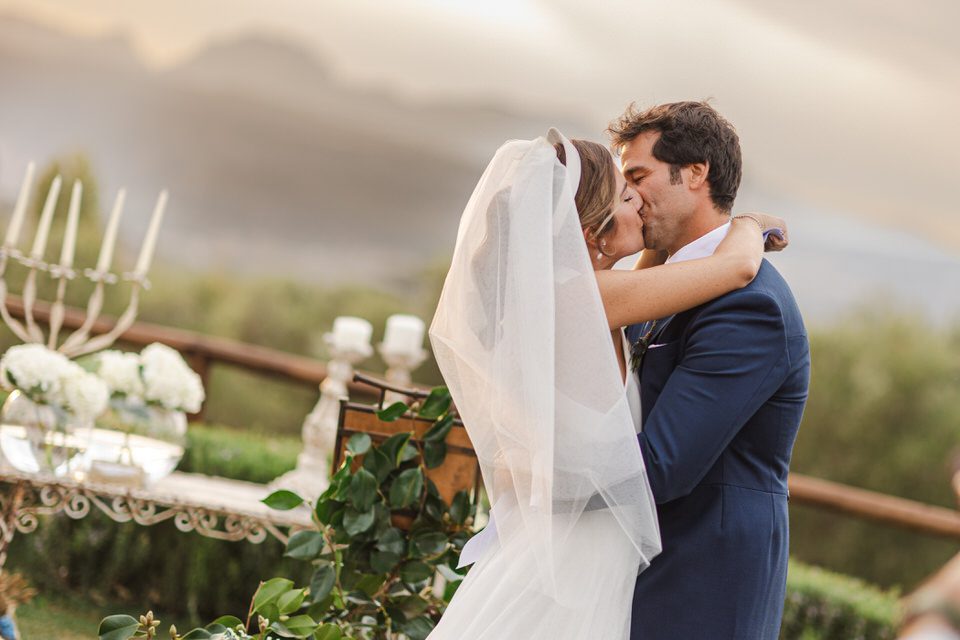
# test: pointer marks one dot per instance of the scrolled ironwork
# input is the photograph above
(25, 498)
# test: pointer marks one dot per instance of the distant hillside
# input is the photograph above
(272, 165)
(277, 167)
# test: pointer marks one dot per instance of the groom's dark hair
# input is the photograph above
(690, 133)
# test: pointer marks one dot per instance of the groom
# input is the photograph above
(723, 388)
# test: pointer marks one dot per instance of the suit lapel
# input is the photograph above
(661, 326)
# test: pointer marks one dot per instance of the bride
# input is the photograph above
(528, 337)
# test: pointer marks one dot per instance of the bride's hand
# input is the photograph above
(779, 239)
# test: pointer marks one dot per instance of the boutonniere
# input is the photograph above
(639, 348)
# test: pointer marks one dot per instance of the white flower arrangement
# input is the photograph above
(49, 377)
(158, 375)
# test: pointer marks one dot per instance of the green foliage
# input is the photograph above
(369, 575)
(883, 414)
(822, 605)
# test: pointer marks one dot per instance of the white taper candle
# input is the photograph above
(43, 228)
(110, 236)
(20, 209)
(73, 220)
(150, 243)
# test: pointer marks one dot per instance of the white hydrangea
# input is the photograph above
(50, 377)
(34, 369)
(82, 393)
(168, 380)
(121, 372)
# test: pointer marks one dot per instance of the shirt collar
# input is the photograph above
(702, 247)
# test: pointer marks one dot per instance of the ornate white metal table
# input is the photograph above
(213, 507)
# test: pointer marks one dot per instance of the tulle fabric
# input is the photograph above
(521, 338)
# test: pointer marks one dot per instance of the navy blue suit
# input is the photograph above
(723, 389)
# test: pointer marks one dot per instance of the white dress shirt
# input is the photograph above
(702, 247)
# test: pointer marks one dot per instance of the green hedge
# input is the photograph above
(193, 579)
(822, 605)
(883, 414)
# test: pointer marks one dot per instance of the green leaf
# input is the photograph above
(406, 488)
(304, 545)
(300, 626)
(328, 632)
(412, 605)
(370, 583)
(230, 622)
(358, 444)
(434, 453)
(409, 452)
(326, 509)
(283, 500)
(322, 582)
(415, 571)
(270, 591)
(460, 507)
(393, 541)
(436, 403)
(318, 610)
(270, 611)
(379, 464)
(393, 446)
(198, 634)
(290, 601)
(430, 542)
(359, 597)
(343, 488)
(213, 628)
(356, 522)
(438, 432)
(418, 628)
(118, 627)
(384, 561)
(363, 490)
(393, 412)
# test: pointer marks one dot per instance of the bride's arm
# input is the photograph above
(630, 297)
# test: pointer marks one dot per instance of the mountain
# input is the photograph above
(278, 167)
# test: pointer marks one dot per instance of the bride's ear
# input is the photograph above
(590, 239)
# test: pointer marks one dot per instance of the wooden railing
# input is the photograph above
(870, 505)
(202, 351)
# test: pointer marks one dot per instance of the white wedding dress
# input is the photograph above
(521, 339)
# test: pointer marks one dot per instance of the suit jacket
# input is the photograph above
(723, 388)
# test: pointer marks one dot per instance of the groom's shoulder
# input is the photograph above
(768, 293)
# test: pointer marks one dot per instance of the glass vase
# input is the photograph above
(135, 444)
(41, 438)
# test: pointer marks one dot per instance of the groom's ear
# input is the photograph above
(697, 174)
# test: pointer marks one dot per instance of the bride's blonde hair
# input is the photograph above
(598, 184)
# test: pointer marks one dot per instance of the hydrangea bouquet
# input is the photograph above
(142, 437)
(158, 376)
(54, 400)
(47, 377)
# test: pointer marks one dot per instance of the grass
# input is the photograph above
(71, 617)
(64, 618)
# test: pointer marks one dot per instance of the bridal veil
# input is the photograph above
(522, 340)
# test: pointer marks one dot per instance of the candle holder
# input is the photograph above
(79, 342)
(400, 364)
(312, 473)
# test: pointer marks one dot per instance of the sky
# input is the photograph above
(848, 105)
